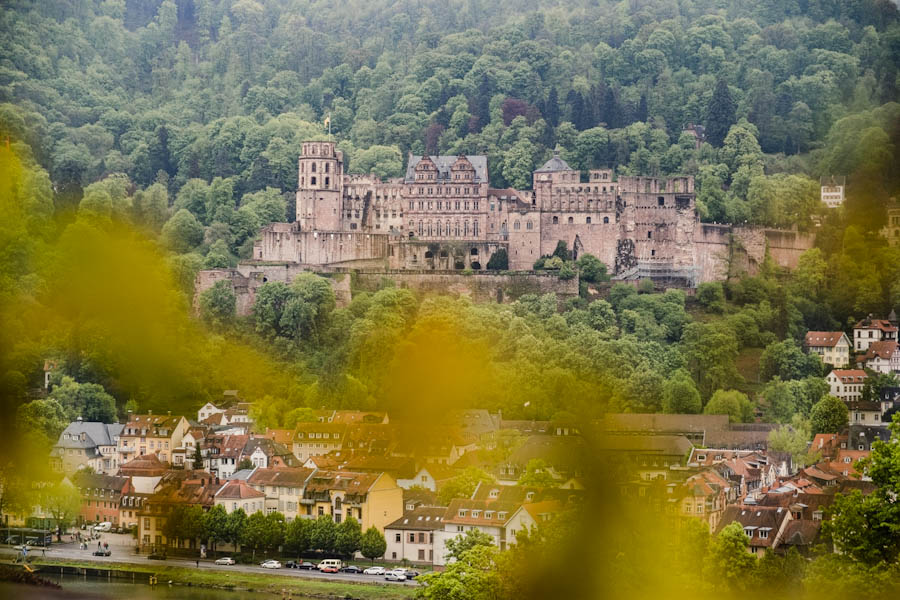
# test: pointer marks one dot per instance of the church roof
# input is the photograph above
(554, 164)
(443, 164)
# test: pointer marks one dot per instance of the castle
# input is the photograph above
(443, 215)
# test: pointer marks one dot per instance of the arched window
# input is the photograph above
(571, 220)
(312, 180)
(475, 228)
(327, 181)
(529, 225)
(466, 228)
(606, 220)
(516, 226)
(313, 167)
(421, 228)
(556, 220)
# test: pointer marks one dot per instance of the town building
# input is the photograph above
(373, 499)
(151, 434)
(832, 346)
(316, 439)
(411, 537)
(846, 384)
(283, 489)
(87, 444)
(237, 494)
(891, 230)
(463, 514)
(832, 190)
(764, 525)
(100, 496)
(881, 357)
(864, 412)
(870, 330)
(176, 489)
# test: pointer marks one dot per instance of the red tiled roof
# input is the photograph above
(822, 338)
(882, 324)
(850, 375)
(884, 350)
(237, 489)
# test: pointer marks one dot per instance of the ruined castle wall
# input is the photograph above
(745, 248)
(444, 255)
(597, 238)
(480, 287)
(282, 242)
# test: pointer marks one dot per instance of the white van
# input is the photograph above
(104, 526)
(330, 563)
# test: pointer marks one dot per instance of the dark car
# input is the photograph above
(306, 565)
(102, 552)
(410, 574)
(156, 555)
(351, 569)
(291, 564)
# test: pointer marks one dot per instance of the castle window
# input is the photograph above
(516, 226)
(302, 181)
(466, 228)
(312, 181)
(605, 220)
(649, 235)
(529, 225)
(302, 167)
(556, 220)
(457, 205)
(475, 228)
(327, 180)
(314, 167)
(412, 205)
(661, 201)
(475, 205)
(571, 220)
(326, 168)
(588, 221)
(421, 228)
(653, 253)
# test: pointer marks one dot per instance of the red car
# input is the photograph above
(329, 569)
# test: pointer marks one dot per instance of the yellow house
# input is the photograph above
(373, 499)
(151, 434)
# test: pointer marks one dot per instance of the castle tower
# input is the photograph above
(320, 186)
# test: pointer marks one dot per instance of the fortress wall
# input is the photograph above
(597, 238)
(714, 243)
(282, 242)
(480, 287)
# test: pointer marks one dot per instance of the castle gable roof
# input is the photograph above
(443, 164)
(555, 164)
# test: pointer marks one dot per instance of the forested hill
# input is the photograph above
(169, 91)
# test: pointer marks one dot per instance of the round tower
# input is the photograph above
(320, 186)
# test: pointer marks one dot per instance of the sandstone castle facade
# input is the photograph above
(443, 215)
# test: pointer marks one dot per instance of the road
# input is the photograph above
(122, 548)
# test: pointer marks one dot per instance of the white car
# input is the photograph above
(270, 564)
(225, 560)
(104, 526)
(395, 575)
(374, 571)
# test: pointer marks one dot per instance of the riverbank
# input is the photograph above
(273, 583)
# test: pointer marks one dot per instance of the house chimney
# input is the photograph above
(149, 412)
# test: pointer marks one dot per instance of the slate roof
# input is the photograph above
(555, 164)
(96, 434)
(443, 164)
(424, 518)
(83, 479)
(756, 517)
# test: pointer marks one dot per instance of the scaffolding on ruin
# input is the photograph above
(688, 276)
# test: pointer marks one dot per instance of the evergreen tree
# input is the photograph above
(198, 458)
(551, 108)
(720, 114)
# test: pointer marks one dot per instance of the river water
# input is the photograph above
(93, 588)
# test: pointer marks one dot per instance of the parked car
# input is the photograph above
(306, 565)
(351, 569)
(102, 552)
(270, 564)
(291, 564)
(225, 560)
(105, 526)
(374, 571)
(395, 575)
(411, 574)
(330, 563)
(157, 555)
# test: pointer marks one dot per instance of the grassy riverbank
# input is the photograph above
(258, 582)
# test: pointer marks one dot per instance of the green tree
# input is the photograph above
(42, 416)
(829, 415)
(198, 458)
(215, 526)
(732, 403)
(473, 575)
(794, 439)
(537, 474)
(348, 537)
(323, 534)
(720, 114)
(63, 502)
(591, 269)
(876, 382)
(372, 544)
(297, 536)
(182, 233)
(463, 485)
(787, 360)
(459, 545)
(235, 526)
(728, 565)
(711, 296)
(86, 400)
(499, 261)
(710, 351)
(680, 395)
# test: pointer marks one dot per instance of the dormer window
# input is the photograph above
(488, 514)
(501, 515)
(494, 493)
(462, 512)
(476, 514)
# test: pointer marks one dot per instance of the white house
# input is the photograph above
(870, 330)
(865, 413)
(832, 346)
(236, 493)
(490, 517)
(412, 536)
(207, 410)
(832, 190)
(881, 357)
(846, 384)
